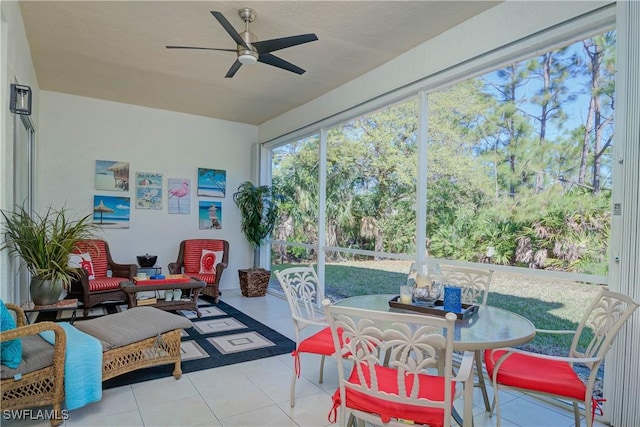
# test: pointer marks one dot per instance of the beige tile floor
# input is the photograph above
(257, 393)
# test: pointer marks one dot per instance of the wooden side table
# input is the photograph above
(65, 304)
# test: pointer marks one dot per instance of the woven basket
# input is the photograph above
(254, 283)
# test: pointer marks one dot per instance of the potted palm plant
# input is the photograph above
(259, 210)
(44, 242)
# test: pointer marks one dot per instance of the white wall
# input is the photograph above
(75, 131)
(15, 65)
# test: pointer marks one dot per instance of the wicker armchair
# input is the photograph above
(188, 263)
(42, 368)
(102, 288)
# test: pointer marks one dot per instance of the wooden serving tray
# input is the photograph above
(437, 310)
(169, 278)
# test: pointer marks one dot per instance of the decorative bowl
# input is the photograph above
(147, 260)
(427, 295)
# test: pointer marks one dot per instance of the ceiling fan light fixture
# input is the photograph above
(249, 49)
(248, 57)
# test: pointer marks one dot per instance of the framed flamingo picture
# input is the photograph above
(179, 195)
(149, 190)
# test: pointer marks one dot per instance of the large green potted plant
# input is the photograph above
(43, 243)
(259, 212)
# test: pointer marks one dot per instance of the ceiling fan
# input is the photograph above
(249, 50)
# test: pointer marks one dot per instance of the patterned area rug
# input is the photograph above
(222, 336)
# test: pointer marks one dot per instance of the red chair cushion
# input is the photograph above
(193, 252)
(536, 374)
(209, 279)
(105, 283)
(98, 252)
(319, 343)
(431, 387)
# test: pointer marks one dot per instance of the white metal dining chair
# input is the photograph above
(554, 375)
(301, 286)
(475, 283)
(416, 386)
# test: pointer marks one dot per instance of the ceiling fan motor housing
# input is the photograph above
(248, 56)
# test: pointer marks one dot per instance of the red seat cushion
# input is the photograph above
(319, 343)
(209, 279)
(193, 252)
(431, 387)
(536, 374)
(105, 283)
(98, 252)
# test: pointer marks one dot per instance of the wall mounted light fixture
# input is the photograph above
(20, 99)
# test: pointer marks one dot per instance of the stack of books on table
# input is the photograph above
(147, 301)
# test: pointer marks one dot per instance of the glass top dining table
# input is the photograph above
(489, 327)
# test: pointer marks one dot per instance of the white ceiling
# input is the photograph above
(115, 50)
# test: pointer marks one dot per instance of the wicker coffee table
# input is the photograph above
(189, 301)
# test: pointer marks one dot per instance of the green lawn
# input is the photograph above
(548, 304)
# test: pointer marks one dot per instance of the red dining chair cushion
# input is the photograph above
(431, 387)
(319, 343)
(534, 373)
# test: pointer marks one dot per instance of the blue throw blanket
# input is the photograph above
(82, 368)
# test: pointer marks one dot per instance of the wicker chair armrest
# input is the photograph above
(22, 331)
(33, 329)
(82, 277)
(20, 317)
(220, 267)
(175, 268)
(124, 270)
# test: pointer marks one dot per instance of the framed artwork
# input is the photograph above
(112, 176)
(179, 196)
(149, 190)
(210, 215)
(111, 211)
(212, 182)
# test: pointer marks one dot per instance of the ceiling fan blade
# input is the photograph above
(269, 59)
(201, 48)
(234, 68)
(227, 26)
(272, 45)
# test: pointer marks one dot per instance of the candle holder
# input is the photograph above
(426, 280)
(452, 299)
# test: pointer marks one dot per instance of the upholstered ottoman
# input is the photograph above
(137, 338)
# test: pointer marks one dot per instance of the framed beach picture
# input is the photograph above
(210, 215)
(112, 176)
(179, 195)
(149, 190)
(111, 211)
(212, 182)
